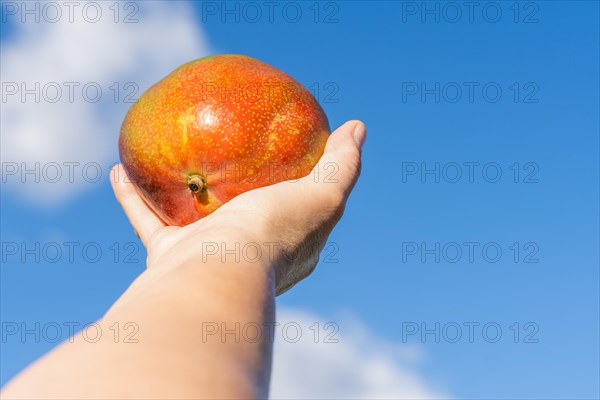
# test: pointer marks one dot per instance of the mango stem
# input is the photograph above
(196, 184)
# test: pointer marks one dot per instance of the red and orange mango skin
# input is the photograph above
(215, 128)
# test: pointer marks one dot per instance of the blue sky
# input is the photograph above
(518, 96)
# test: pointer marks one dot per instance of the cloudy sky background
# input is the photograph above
(78, 129)
(359, 61)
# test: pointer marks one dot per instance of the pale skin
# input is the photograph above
(177, 354)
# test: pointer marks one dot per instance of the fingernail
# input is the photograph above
(360, 134)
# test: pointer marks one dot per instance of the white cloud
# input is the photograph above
(359, 365)
(76, 130)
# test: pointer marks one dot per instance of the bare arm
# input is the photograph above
(191, 307)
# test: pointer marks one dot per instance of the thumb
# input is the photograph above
(336, 173)
(144, 221)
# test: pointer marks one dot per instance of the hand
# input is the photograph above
(290, 221)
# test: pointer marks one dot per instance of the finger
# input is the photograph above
(144, 221)
(338, 169)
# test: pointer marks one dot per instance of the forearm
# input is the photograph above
(182, 295)
(177, 354)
